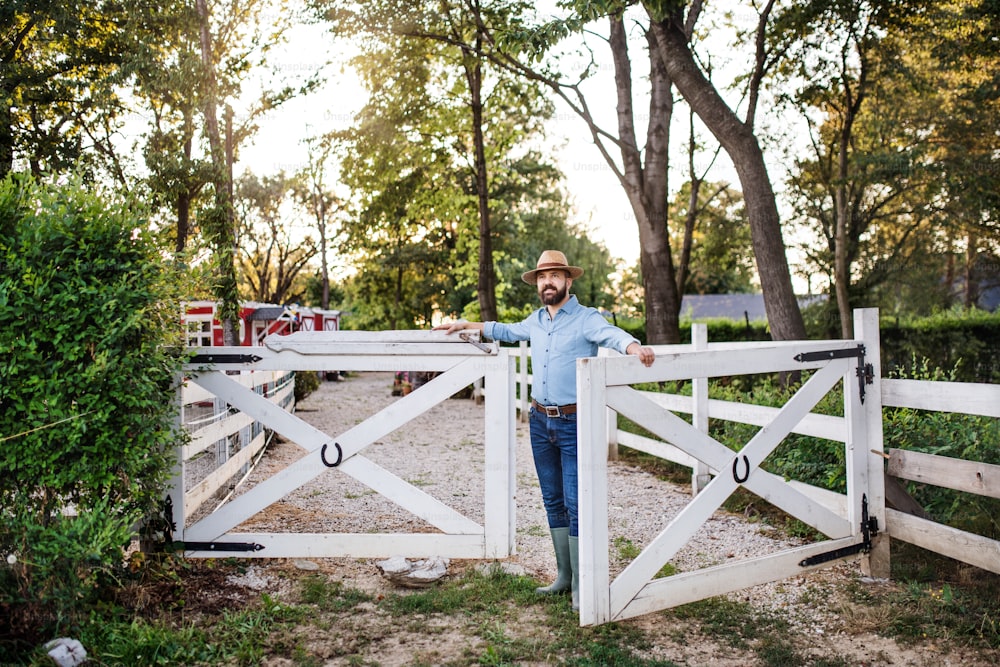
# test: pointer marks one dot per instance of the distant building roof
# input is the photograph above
(731, 306)
(267, 313)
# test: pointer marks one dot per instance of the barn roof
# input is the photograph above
(266, 313)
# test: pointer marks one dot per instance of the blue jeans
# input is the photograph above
(553, 446)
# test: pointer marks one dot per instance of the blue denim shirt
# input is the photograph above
(575, 332)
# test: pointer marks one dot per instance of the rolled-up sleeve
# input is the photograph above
(604, 334)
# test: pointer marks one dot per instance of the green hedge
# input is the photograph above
(966, 342)
(89, 348)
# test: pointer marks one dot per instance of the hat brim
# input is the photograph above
(531, 277)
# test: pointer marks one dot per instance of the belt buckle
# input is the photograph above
(551, 410)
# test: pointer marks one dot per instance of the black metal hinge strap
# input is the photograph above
(869, 529)
(865, 372)
(225, 359)
(823, 355)
(228, 547)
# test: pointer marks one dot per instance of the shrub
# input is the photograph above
(306, 382)
(88, 355)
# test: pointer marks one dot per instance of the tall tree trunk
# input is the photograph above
(645, 185)
(971, 275)
(738, 140)
(841, 258)
(224, 232)
(487, 282)
(324, 265)
(6, 136)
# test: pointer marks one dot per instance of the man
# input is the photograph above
(560, 332)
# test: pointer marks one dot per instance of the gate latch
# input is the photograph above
(869, 529)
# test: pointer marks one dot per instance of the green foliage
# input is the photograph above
(306, 382)
(967, 437)
(88, 359)
(965, 341)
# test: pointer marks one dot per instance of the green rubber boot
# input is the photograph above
(574, 559)
(564, 571)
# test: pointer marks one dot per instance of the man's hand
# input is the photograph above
(458, 326)
(645, 354)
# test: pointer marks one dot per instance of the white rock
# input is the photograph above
(418, 574)
(66, 652)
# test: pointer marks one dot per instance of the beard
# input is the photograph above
(552, 297)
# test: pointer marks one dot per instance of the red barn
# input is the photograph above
(257, 322)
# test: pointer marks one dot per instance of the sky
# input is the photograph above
(599, 203)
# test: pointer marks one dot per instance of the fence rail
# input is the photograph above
(223, 442)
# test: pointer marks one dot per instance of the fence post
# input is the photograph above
(700, 476)
(175, 496)
(501, 445)
(866, 328)
(592, 476)
(611, 432)
(524, 393)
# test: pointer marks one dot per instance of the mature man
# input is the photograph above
(560, 332)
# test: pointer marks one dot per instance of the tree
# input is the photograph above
(721, 257)
(457, 31)
(60, 64)
(640, 171)
(889, 187)
(272, 258)
(671, 28)
(310, 191)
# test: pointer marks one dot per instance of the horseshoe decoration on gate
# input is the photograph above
(736, 469)
(340, 455)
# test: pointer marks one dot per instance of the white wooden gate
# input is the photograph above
(851, 524)
(461, 361)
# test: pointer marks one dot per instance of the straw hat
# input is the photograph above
(548, 260)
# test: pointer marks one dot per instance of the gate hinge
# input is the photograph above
(869, 529)
(865, 372)
(822, 355)
(225, 359)
(227, 547)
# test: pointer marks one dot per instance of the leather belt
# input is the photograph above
(554, 410)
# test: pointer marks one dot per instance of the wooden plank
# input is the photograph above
(657, 448)
(709, 582)
(208, 435)
(969, 476)
(352, 545)
(945, 540)
(500, 458)
(207, 487)
(962, 397)
(716, 362)
(817, 426)
(367, 357)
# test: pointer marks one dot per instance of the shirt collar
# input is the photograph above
(571, 306)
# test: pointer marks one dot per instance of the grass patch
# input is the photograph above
(957, 604)
(740, 626)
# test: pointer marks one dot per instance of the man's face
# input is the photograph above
(553, 286)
